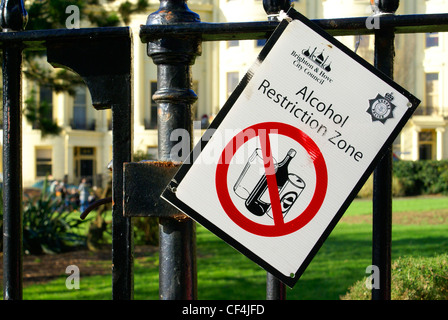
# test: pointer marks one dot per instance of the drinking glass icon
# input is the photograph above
(251, 174)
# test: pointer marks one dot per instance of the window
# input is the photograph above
(194, 107)
(46, 94)
(153, 153)
(426, 148)
(261, 42)
(80, 120)
(151, 123)
(43, 162)
(432, 92)
(432, 39)
(233, 43)
(45, 104)
(85, 164)
(232, 82)
(396, 146)
(364, 47)
(363, 42)
(109, 119)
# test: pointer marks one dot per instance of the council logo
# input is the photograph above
(318, 58)
(381, 108)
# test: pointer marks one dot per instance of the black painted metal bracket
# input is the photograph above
(143, 184)
(104, 61)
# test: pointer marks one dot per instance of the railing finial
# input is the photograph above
(385, 6)
(273, 7)
(13, 15)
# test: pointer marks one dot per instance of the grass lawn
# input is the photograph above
(223, 273)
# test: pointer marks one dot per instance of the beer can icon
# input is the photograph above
(289, 193)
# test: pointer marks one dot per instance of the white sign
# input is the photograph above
(291, 148)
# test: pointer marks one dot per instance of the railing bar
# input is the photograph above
(177, 256)
(12, 172)
(382, 179)
(275, 289)
(174, 97)
(235, 30)
(262, 29)
(122, 230)
(55, 34)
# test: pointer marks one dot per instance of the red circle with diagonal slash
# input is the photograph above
(280, 228)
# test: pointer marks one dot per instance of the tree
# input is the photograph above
(51, 14)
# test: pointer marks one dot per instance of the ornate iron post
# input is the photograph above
(174, 57)
(13, 18)
(382, 178)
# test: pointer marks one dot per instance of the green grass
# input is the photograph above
(417, 204)
(223, 273)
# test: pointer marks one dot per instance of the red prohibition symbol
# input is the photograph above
(279, 228)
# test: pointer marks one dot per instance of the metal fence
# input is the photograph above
(103, 58)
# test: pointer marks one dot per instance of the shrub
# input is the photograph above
(367, 189)
(46, 228)
(411, 178)
(413, 278)
(422, 177)
(146, 230)
(407, 172)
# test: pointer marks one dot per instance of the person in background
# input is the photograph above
(84, 193)
(53, 186)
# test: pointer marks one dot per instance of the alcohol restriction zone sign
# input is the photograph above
(291, 148)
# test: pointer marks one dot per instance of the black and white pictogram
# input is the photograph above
(252, 185)
(318, 58)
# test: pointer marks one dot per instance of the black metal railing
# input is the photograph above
(103, 58)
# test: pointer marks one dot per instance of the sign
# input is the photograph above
(249, 182)
(291, 148)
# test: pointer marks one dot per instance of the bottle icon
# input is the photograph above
(255, 203)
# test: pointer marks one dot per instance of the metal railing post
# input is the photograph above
(275, 289)
(382, 178)
(13, 18)
(174, 98)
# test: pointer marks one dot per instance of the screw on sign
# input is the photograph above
(273, 180)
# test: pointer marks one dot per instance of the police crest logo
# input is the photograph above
(381, 108)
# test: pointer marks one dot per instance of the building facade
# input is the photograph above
(421, 66)
(84, 146)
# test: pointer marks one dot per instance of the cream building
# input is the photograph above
(84, 147)
(421, 66)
